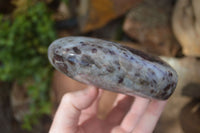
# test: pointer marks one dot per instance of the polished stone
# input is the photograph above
(113, 67)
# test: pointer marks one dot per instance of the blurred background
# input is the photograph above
(30, 89)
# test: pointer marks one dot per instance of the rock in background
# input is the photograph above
(94, 14)
(186, 26)
(149, 23)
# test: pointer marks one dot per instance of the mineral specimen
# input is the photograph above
(113, 67)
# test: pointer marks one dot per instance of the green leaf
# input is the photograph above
(24, 41)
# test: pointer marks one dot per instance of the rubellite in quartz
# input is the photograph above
(113, 67)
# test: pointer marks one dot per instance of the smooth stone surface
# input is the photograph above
(113, 67)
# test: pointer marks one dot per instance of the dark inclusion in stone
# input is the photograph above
(76, 50)
(137, 74)
(72, 60)
(170, 74)
(100, 47)
(154, 81)
(57, 58)
(152, 91)
(110, 69)
(164, 94)
(86, 60)
(125, 54)
(83, 43)
(94, 50)
(143, 82)
(111, 52)
(63, 67)
(121, 79)
(167, 87)
(67, 50)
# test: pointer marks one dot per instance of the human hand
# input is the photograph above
(77, 113)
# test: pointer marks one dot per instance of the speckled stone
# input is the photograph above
(113, 67)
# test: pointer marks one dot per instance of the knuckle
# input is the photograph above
(66, 98)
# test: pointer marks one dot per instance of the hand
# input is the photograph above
(77, 113)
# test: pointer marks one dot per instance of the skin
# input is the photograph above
(77, 113)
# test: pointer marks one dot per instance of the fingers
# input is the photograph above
(135, 113)
(91, 110)
(69, 110)
(148, 121)
(121, 106)
(118, 129)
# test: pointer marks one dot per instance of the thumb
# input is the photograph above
(69, 110)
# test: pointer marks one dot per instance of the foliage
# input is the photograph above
(23, 55)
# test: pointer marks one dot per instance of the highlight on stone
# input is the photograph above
(111, 66)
